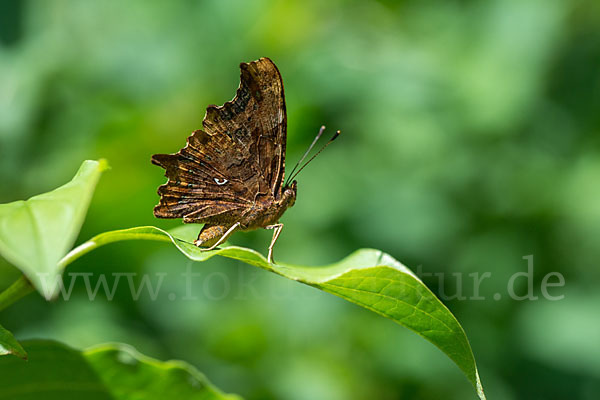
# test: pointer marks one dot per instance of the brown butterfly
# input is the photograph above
(230, 174)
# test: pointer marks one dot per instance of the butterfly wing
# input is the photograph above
(237, 157)
(256, 119)
(207, 181)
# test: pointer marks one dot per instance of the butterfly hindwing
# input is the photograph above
(204, 181)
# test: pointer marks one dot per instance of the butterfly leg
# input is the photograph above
(276, 231)
(209, 233)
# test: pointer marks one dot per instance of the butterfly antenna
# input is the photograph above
(316, 139)
(313, 157)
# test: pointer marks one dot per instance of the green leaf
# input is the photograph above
(9, 345)
(369, 278)
(125, 371)
(36, 233)
(53, 371)
(111, 372)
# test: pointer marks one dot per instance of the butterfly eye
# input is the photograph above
(221, 182)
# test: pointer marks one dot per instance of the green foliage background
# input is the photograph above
(470, 139)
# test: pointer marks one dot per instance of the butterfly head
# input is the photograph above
(289, 194)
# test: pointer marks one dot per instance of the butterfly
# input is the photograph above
(230, 174)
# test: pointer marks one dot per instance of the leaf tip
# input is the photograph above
(103, 165)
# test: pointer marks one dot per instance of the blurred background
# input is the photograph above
(470, 140)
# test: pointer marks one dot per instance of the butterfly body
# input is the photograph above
(230, 174)
(268, 211)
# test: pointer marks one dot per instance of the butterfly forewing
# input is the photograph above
(256, 119)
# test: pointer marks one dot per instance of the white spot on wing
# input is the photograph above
(221, 182)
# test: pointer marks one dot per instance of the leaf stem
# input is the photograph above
(77, 252)
(20, 288)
